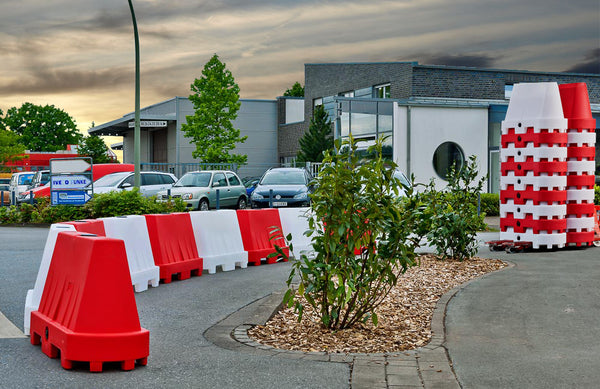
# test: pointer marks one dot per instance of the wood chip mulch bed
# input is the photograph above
(404, 317)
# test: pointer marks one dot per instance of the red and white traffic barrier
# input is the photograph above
(580, 163)
(294, 221)
(134, 232)
(534, 167)
(32, 301)
(219, 240)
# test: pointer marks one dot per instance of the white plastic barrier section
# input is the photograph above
(534, 108)
(34, 296)
(295, 221)
(134, 232)
(219, 240)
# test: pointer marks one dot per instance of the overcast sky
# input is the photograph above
(79, 55)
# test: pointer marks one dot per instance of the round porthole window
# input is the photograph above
(447, 154)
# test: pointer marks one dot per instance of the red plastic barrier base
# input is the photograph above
(581, 181)
(257, 227)
(91, 226)
(174, 246)
(537, 225)
(585, 238)
(88, 310)
(90, 348)
(537, 196)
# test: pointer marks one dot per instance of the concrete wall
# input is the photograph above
(432, 126)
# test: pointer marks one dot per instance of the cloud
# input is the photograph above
(590, 65)
(50, 81)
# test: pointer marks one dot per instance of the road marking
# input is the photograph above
(8, 329)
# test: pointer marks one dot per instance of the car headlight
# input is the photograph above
(257, 196)
(301, 196)
(187, 196)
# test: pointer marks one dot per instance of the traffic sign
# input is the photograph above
(74, 165)
(72, 197)
(70, 182)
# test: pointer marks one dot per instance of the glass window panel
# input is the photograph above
(365, 92)
(385, 123)
(345, 124)
(363, 124)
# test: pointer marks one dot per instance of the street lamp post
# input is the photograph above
(136, 132)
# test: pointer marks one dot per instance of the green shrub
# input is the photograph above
(101, 205)
(10, 215)
(354, 210)
(490, 204)
(454, 220)
(597, 195)
(129, 203)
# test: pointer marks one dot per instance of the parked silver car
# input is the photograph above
(199, 190)
(151, 182)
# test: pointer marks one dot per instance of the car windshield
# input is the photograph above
(399, 175)
(284, 177)
(110, 179)
(194, 179)
(24, 178)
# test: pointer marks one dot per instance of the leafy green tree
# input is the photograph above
(318, 139)
(42, 128)
(216, 101)
(10, 147)
(297, 90)
(93, 146)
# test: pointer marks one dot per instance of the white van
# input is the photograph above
(19, 182)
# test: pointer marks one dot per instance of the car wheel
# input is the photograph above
(203, 205)
(242, 203)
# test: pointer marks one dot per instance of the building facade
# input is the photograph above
(163, 145)
(432, 116)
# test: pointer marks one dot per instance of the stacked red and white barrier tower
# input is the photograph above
(547, 166)
(533, 181)
(581, 152)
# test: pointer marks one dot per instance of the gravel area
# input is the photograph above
(404, 317)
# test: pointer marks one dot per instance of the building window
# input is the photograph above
(381, 91)
(317, 102)
(346, 94)
(508, 91)
(445, 156)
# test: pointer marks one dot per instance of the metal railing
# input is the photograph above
(179, 169)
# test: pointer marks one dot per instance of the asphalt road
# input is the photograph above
(176, 315)
(536, 325)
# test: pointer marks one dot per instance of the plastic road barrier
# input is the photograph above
(32, 301)
(581, 164)
(174, 246)
(295, 221)
(219, 240)
(88, 310)
(134, 232)
(534, 167)
(261, 231)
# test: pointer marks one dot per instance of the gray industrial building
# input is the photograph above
(163, 146)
